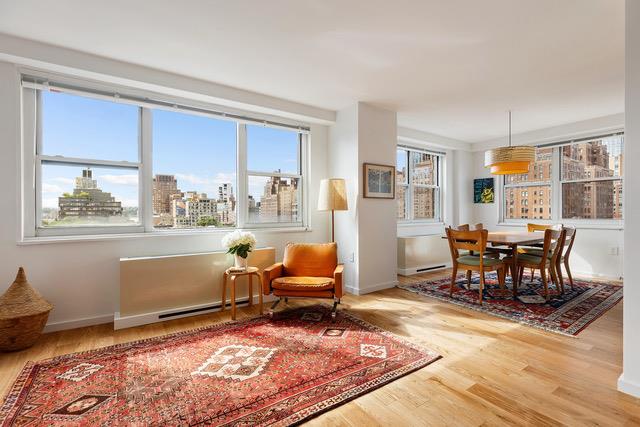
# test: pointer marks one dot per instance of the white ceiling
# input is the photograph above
(450, 67)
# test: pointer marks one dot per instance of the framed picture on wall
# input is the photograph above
(483, 190)
(379, 181)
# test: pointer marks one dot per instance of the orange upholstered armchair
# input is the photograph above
(308, 270)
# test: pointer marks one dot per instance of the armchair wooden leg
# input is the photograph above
(334, 309)
(273, 306)
(468, 279)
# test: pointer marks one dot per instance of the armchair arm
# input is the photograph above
(337, 279)
(268, 274)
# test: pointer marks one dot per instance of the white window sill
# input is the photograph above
(76, 238)
(577, 224)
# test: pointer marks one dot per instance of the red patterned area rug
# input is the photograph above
(567, 314)
(252, 372)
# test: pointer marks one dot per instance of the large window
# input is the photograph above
(116, 164)
(194, 171)
(418, 185)
(592, 179)
(529, 195)
(274, 175)
(87, 161)
(573, 181)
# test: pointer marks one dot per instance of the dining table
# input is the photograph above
(508, 242)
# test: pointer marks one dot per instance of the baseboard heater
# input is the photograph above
(157, 288)
(435, 267)
(215, 307)
(417, 254)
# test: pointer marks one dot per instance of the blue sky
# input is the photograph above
(199, 151)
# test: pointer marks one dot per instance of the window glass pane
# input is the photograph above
(88, 196)
(424, 202)
(401, 191)
(272, 150)
(423, 168)
(593, 159)
(532, 202)
(595, 200)
(273, 199)
(76, 126)
(539, 171)
(194, 166)
(401, 167)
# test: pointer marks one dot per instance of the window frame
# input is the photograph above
(409, 187)
(556, 185)
(30, 203)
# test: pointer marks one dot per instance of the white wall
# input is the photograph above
(590, 254)
(630, 380)
(343, 163)
(366, 234)
(81, 278)
(377, 237)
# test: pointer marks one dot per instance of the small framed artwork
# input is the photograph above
(379, 181)
(483, 190)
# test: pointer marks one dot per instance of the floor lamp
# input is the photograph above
(333, 197)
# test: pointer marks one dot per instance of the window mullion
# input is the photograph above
(242, 205)
(145, 172)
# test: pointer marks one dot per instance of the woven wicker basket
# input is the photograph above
(23, 314)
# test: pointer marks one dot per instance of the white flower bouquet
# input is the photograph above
(239, 243)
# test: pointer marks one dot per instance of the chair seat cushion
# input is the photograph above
(530, 258)
(302, 283)
(535, 252)
(475, 260)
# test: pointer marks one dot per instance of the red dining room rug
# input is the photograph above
(566, 314)
(258, 371)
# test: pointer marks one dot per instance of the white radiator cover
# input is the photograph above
(153, 289)
(417, 254)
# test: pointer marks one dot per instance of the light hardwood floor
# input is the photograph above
(493, 371)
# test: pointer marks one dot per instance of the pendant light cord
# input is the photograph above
(509, 128)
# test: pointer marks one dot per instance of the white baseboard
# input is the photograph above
(377, 287)
(577, 274)
(78, 323)
(628, 387)
(122, 322)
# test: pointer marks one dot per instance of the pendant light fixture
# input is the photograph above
(509, 160)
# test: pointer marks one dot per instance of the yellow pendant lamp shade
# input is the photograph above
(509, 160)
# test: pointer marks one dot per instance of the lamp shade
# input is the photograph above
(509, 160)
(333, 195)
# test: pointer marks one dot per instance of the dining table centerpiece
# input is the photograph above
(239, 244)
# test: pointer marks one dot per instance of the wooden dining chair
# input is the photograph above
(552, 248)
(563, 256)
(536, 248)
(475, 242)
(570, 237)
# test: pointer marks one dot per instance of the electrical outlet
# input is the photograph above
(352, 257)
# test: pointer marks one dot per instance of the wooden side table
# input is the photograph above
(250, 272)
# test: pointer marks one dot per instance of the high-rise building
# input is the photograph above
(164, 186)
(279, 201)
(192, 211)
(87, 200)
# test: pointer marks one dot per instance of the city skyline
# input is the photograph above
(201, 151)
